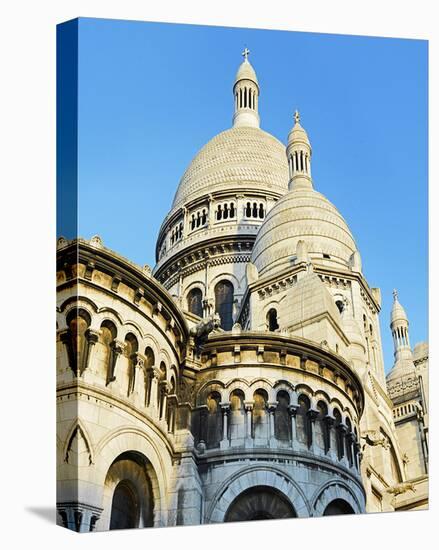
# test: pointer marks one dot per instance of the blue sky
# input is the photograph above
(151, 95)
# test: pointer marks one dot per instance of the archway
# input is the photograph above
(337, 507)
(132, 500)
(257, 503)
(125, 506)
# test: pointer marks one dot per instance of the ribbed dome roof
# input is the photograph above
(302, 214)
(244, 157)
(398, 312)
(247, 72)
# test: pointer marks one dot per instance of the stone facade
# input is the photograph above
(243, 377)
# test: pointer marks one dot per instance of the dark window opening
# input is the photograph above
(195, 302)
(224, 303)
(272, 320)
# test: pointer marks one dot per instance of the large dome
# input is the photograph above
(302, 214)
(241, 157)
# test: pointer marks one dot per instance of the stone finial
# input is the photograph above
(395, 295)
(61, 242)
(96, 241)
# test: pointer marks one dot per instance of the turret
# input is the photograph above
(299, 156)
(399, 326)
(246, 93)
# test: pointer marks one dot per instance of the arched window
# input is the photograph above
(78, 321)
(203, 217)
(195, 302)
(219, 214)
(272, 320)
(255, 210)
(340, 305)
(214, 420)
(303, 422)
(261, 211)
(237, 415)
(282, 423)
(226, 211)
(107, 337)
(224, 303)
(232, 210)
(260, 417)
(248, 210)
(321, 427)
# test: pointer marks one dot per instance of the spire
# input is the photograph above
(399, 326)
(246, 93)
(299, 156)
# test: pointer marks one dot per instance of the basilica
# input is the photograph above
(242, 377)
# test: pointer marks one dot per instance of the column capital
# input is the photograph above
(117, 346)
(292, 409)
(92, 335)
(330, 420)
(312, 414)
(155, 372)
(248, 405)
(271, 406)
(225, 406)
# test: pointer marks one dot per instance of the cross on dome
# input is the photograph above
(296, 117)
(395, 294)
(245, 53)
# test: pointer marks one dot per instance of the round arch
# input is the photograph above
(260, 502)
(256, 476)
(333, 491)
(156, 458)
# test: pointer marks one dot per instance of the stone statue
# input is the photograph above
(375, 438)
(205, 327)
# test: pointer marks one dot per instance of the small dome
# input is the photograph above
(298, 133)
(302, 214)
(241, 157)
(246, 72)
(398, 313)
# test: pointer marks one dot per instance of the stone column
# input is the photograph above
(225, 408)
(153, 396)
(91, 337)
(350, 440)
(165, 388)
(271, 407)
(329, 421)
(185, 231)
(211, 212)
(342, 428)
(117, 348)
(292, 409)
(248, 406)
(78, 516)
(312, 415)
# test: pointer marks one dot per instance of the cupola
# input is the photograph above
(299, 156)
(246, 94)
